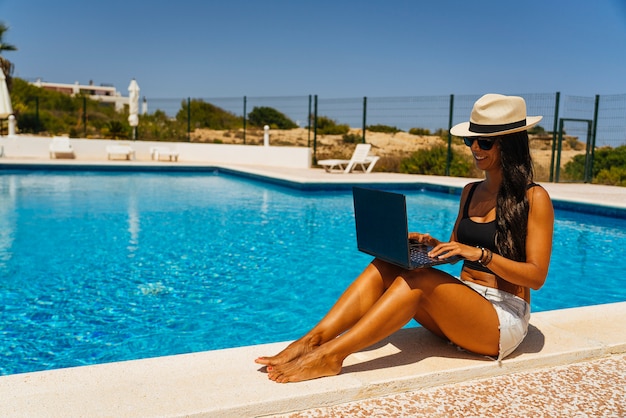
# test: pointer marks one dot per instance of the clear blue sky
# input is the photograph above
(332, 48)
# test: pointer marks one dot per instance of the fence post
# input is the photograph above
(364, 118)
(37, 114)
(591, 152)
(554, 129)
(449, 156)
(308, 117)
(315, 130)
(84, 117)
(188, 119)
(245, 102)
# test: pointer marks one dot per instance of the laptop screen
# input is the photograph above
(381, 224)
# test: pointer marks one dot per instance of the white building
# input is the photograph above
(103, 93)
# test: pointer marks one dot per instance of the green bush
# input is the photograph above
(117, 130)
(24, 95)
(607, 157)
(327, 126)
(384, 129)
(615, 176)
(608, 164)
(159, 127)
(537, 130)
(352, 138)
(261, 116)
(419, 131)
(30, 124)
(432, 161)
(573, 143)
(206, 115)
(37, 110)
(443, 133)
(42, 111)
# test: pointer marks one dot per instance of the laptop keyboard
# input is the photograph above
(419, 253)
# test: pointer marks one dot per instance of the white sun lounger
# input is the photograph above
(124, 151)
(360, 159)
(162, 152)
(61, 146)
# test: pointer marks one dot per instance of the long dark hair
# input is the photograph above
(512, 204)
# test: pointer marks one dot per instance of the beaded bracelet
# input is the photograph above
(483, 261)
(482, 253)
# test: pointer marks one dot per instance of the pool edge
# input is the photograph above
(228, 383)
(565, 196)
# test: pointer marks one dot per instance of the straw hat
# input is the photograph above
(495, 114)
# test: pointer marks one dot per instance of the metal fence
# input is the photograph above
(598, 121)
(607, 113)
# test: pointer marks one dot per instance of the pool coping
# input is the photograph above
(580, 197)
(228, 382)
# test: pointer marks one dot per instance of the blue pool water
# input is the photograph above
(100, 267)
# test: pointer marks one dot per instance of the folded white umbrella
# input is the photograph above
(5, 100)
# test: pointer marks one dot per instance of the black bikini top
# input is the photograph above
(476, 234)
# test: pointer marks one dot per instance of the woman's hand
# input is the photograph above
(423, 239)
(449, 249)
(446, 249)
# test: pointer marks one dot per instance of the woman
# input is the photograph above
(504, 234)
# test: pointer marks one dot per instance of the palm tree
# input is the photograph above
(5, 64)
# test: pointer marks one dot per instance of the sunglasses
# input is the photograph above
(484, 144)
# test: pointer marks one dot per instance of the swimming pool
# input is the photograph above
(98, 267)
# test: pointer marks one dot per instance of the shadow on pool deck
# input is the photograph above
(227, 383)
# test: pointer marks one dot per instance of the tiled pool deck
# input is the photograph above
(573, 362)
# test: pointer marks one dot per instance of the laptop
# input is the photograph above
(382, 230)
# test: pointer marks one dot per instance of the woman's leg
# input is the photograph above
(453, 309)
(356, 300)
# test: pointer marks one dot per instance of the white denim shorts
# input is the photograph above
(513, 314)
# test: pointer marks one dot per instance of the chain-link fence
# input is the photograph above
(573, 127)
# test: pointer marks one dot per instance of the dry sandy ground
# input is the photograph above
(390, 147)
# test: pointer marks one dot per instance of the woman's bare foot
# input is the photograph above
(306, 367)
(294, 350)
